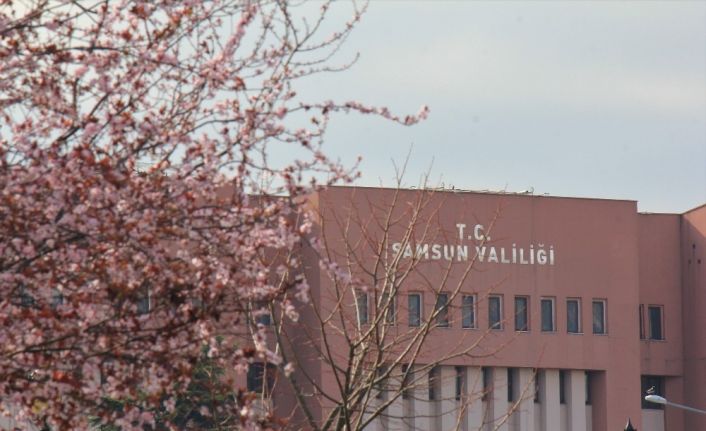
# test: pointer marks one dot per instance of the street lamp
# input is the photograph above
(661, 400)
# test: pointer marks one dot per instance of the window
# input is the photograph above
(487, 382)
(260, 377)
(143, 300)
(381, 381)
(573, 316)
(562, 386)
(652, 385)
(261, 313)
(57, 299)
(521, 320)
(495, 314)
(23, 297)
(548, 314)
(536, 385)
(442, 309)
(433, 381)
(468, 311)
(406, 381)
(511, 396)
(361, 302)
(389, 304)
(599, 316)
(655, 318)
(589, 392)
(460, 374)
(641, 318)
(414, 309)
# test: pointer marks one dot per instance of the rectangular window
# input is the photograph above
(144, 303)
(433, 381)
(599, 307)
(406, 381)
(487, 382)
(573, 316)
(57, 299)
(468, 311)
(261, 313)
(442, 309)
(260, 378)
(414, 307)
(655, 319)
(495, 313)
(641, 318)
(589, 392)
(562, 386)
(548, 314)
(652, 385)
(536, 385)
(389, 304)
(521, 313)
(362, 306)
(460, 374)
(511, 395)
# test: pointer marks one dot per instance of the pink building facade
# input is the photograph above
(573, 307)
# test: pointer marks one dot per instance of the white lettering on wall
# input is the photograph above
(533, 254)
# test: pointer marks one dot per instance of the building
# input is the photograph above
(548, 313)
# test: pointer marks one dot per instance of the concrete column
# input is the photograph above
(549, 399)
(576, 400)
(377, 423)
(472, 400)
(525, 409)
(449, 405)
(498, 400)
(421, 406)
(395, 411)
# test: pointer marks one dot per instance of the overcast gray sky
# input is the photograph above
(592, 99)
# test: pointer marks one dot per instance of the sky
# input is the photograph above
(601, 99)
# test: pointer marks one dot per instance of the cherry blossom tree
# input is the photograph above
(140, 209)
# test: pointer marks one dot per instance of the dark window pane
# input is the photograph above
(390, 304)
(494, 312)
(572, 316)
(652, 385)
(414, 304)
(460, 374)
(143, 300)
(655, 314)
(536, 386)
(468, 315)
(433, 381)
(511, 385)
(406, 381)
(262, 314)
(521, 313)
(441, 306)
(487, 382)
(562, 386)
(598, 317)
(362, 304)
(260, 377)
(547, 315)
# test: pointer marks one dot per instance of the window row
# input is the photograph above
(441, 314)
(513, 388)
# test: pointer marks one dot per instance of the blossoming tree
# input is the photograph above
(114, 275)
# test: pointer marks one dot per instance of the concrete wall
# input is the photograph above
(693, 263)
(603, 250)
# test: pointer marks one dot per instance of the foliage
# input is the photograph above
(113, 275)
